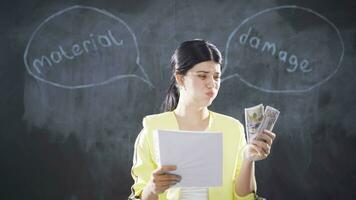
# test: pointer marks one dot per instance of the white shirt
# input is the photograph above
(194, 193)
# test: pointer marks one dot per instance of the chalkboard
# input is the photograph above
(77, 77)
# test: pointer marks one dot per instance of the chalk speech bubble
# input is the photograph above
(81, 47)
(284, 49)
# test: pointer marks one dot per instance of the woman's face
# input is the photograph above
(201, 84)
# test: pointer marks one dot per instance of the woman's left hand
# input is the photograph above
(260, 146)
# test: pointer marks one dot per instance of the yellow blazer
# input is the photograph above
(144, 160)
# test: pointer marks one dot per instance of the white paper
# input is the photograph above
(197, 155)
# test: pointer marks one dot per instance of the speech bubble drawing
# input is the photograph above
(82, 46)
(273, 54)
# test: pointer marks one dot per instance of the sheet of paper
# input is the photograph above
(197, 155)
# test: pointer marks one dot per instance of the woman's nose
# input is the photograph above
(210, 83)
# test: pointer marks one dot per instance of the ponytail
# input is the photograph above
(172, 97)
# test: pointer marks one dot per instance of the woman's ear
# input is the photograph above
(179, 80)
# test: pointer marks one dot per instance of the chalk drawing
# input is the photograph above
(264, 47)
(44, 63)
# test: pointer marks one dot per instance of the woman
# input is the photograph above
(195, 82)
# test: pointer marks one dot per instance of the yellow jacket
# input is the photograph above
(144, 161)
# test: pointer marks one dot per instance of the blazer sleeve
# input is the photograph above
(143, 164)
(239, 160)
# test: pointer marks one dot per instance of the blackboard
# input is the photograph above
(77, 77)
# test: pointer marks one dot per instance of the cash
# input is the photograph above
(269, 119)
(253, 119)
(257, 119)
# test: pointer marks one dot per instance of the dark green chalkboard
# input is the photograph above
(77, 77)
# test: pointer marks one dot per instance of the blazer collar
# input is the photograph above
(174, 121)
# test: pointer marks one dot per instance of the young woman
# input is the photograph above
(195, 82)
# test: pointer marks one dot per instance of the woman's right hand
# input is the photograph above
(161, 179)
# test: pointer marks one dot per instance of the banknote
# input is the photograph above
(253, 119)
(269, 119)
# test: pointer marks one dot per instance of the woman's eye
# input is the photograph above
(217, 77)
(202, 76)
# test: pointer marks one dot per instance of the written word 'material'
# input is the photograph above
(92, 43)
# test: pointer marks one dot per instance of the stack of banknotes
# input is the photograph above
(258, 119)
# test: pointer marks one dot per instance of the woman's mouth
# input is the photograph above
(210, 94)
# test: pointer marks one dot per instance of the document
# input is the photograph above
(197, 154)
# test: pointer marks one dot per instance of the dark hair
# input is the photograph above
(188, 54)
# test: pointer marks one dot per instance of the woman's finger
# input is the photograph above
(258, 150)
(270, 134)
(261, 144)
(164, 169)
(166, 183)
(167, 177)
(259, 155)
(264, 137)
(263, 147)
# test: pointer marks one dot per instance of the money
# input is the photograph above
(257, 119)
(269, 119)
(253, 119)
